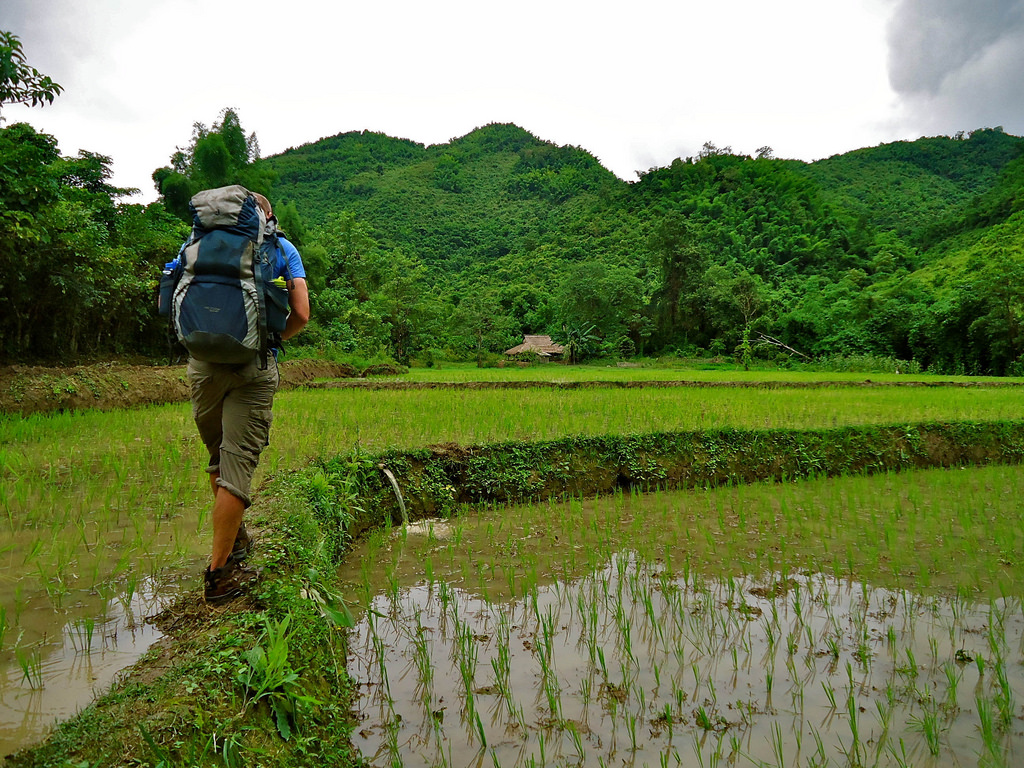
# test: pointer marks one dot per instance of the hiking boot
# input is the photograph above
(228, 581)
(243, 544)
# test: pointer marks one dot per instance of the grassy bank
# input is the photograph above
(436, 480)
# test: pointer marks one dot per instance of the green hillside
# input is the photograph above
(479, 197)
(693, 256)
(500, 189)
(907, 186)
(963, 310)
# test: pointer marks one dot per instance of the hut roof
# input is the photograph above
(540, 345)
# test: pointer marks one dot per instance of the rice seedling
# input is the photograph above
(953, 675)
(31, 663)
(830, 694)
(1004, 695)
(702, 719)
(928, 724)
(778, 745)
(854, 750)
(991, 748)
(82, 634)
(424, 666)
(577, 744)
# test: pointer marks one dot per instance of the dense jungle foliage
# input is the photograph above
(910, 250)
(906, 250)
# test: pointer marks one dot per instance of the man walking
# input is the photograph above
(232, 405)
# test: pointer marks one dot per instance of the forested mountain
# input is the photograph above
(692, 257)
(909, 250)
(907, 187)
(452, 205)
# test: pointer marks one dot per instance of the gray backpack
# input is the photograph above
(224, 305)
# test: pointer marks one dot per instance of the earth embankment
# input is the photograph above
(26, 389)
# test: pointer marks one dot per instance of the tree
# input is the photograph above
(77, 269)
(20, 83)
(606, 297)
(710, 150)
(212, 164)
(217, 156)
(481, 318)
(352, 255)
(999, 327)
(400, 303)
(290, 222)
(238, 147)
(734, 299)
(681, 265)
(27, 178)
(447, 173)
(579, 341)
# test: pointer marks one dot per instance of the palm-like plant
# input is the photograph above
(580, 340)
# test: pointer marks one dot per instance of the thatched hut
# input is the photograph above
(540, 346)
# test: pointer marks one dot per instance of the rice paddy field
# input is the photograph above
(683, 370)
(848, 621)
(844, 621)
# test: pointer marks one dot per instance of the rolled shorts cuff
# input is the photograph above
(235, 491)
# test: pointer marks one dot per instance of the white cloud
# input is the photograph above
(637, 84)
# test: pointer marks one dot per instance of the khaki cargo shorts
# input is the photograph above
(233, 407)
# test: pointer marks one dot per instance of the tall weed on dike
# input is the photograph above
(330, 604)
(333, 495)
(199, 752)
(268, 674)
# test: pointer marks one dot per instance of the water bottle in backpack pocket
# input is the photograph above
(169, 277)
(276, 294)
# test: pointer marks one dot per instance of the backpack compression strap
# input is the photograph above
(261, 311)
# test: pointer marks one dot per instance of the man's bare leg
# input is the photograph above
(227, 516)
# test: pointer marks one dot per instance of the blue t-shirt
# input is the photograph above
(287, 263)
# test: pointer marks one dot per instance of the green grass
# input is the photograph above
(322, 422)
(690, 370)
(134, 478)
(76, 484)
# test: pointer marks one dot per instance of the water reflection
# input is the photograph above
(52, 678)
(636, 665)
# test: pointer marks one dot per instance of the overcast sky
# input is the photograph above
(636, 83)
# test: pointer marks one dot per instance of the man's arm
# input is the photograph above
(298, 302)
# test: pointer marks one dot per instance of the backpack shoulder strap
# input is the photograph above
(273, 249)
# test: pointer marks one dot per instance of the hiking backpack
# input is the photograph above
(223, 302)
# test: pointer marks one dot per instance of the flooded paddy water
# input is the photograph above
(104, 518)
(638, 631)
(74, 602)
(48, 677)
